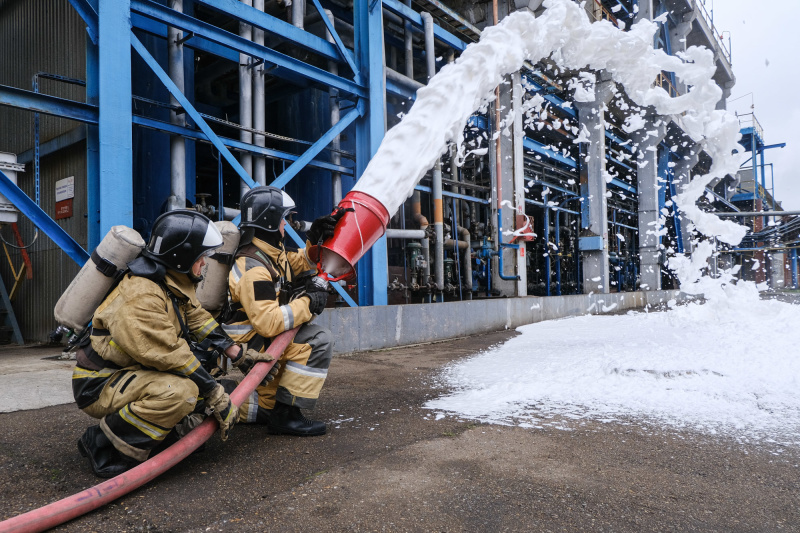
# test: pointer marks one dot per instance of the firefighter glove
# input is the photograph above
(219, 404)
(323, 227)
(317, 301)
(250, 357)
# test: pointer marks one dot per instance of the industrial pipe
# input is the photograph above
(245, 102)
(438, 211)
(259, 105)
(558, 235)
(464, 235)
(402, 79)
(412, 234)
(79, 504)
(177, 143)
(419, 218)
(451, 243)
(499, 176)
(408, 42)
(298, 13)
(336, 144)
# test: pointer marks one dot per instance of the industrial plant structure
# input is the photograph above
(114, 111)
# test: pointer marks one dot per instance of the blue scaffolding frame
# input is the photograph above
(108, 114)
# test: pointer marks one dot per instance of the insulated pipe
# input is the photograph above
(438, 225)
(336, 144)
(177, 143)
(259, 108)
(408, 34)
(298, 13)
(245, 101)
(419, 218)
(464, 235)
(411, 234)
(438, 212)
(402, 79)
(79, 504)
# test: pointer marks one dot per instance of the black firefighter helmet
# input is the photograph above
(264, 207)
(179, 238)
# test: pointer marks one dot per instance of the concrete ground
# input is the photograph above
(388, 465)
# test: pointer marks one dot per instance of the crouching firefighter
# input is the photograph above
(273, 290)
(141, 371)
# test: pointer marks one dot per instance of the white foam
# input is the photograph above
(565, 34)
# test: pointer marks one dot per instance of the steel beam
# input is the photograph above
(49, 105)
(539, 148)
(221, 37)
(412, 16)
(115, 129)
(190, 110)
(41, 220)
(373, 273)
(89, 15)
(345, 53)
(189, 133)
(92, 149)
(199, 43)
(316, 148)
(274, 26)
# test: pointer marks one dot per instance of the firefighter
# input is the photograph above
(273, 290)
(141, 369)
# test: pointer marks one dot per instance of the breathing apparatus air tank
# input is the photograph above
(77, 305)
(212, 292)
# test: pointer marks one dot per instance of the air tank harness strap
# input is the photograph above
(206, 357)
(104, 266)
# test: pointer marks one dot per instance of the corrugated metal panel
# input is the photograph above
(43, 36)
(52, 269)
(39, 36)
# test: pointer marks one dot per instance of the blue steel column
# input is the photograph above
(92, 151)
(115, 128)
(794, 268)
(373, 273)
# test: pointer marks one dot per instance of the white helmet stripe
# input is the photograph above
(288, 203)
(213, 237)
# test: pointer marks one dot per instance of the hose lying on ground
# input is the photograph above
(78, 504)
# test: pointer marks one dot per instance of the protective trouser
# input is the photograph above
(139, 408)
(304, 367)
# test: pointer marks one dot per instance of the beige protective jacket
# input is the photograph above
(258, 296)
(142, 327)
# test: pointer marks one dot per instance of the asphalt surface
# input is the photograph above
(386, 464)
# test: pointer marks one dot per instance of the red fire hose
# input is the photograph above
(78, 504)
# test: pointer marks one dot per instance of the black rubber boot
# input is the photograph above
(106, 461)
(289, 420)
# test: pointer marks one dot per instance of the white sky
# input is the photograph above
(766, 42)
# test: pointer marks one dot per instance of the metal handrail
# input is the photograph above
(718, 36)
(750, 120)
(599, 12)
(663, 80)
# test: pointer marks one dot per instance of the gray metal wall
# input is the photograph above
(374, 328)
(42, 36)
(39, 36)
(52, 269)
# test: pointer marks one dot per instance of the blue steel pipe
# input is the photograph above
(794, 268)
